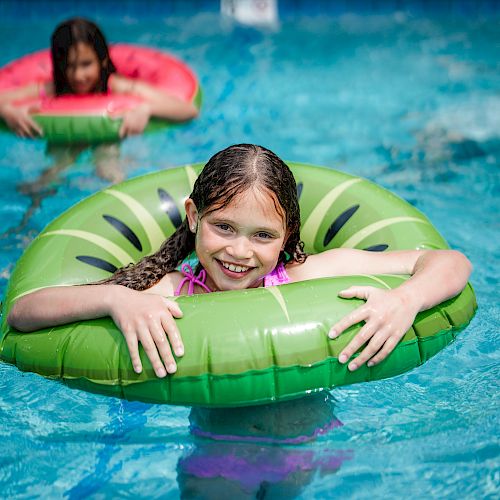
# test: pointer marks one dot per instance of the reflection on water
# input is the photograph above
(104, 157)
(257, 452)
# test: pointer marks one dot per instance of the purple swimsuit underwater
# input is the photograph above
(278, 276)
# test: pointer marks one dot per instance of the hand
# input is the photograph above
(388, 315)
(135, 121)
(18, 119)
(149, 319)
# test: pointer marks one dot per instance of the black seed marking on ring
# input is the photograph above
(97, 262)
(169, 207)
(338, 223)
(300, 186)
(377, 248)
(122, 228)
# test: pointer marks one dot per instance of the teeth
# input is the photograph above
(235, 269)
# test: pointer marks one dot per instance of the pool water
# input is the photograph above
(409, 100)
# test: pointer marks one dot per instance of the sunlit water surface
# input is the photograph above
(409, 102)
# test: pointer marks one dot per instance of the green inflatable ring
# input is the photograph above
(244, 347)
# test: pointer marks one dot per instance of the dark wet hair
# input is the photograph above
(227, 174)
(67, 35)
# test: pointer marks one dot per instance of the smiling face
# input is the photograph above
(83, 70)
(239, 244)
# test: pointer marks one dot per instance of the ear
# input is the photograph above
(191, 214)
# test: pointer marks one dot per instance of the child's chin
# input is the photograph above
(233, 287)
(230, 285)
(246, 284)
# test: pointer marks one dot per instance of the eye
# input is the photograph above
(223, 227)
(263, 235)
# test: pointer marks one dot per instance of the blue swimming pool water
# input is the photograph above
(407, 98)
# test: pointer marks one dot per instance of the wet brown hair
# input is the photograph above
(227, 174)
(67, 35)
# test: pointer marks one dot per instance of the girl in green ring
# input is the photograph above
(242, 218)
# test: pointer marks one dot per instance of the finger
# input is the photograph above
(359, 314)
(163, 347)
(115, 114)
(133, 349)
(361, 338)
(35, 127)
(21, 132)
(23, 129)
(140, 127)
(174, 308)
(123, 131)
(372, 348)
(170, 328)
(151, 351)
(361, 292)
(388, 347)
(28, 130)
(131, 129)
(33, 109)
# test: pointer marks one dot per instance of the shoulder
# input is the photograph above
(120, 84)
(167, 285)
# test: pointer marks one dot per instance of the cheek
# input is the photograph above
(277, 250)
(96, 71)
(205, 241)
(270, 254)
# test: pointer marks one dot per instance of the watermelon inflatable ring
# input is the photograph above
(87, 119)
(243, 347)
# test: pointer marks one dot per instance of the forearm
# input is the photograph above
(59, 305)
(157, 103)
(27, 92)
(5, 110)
(163, 105)
(437, 276)
(6, 98)
(171, 108)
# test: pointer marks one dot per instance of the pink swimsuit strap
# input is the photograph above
(278, 276)
(191, 279)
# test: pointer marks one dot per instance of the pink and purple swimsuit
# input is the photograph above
(278, 276)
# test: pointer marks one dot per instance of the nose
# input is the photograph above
(79, 73)
(240, 248)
